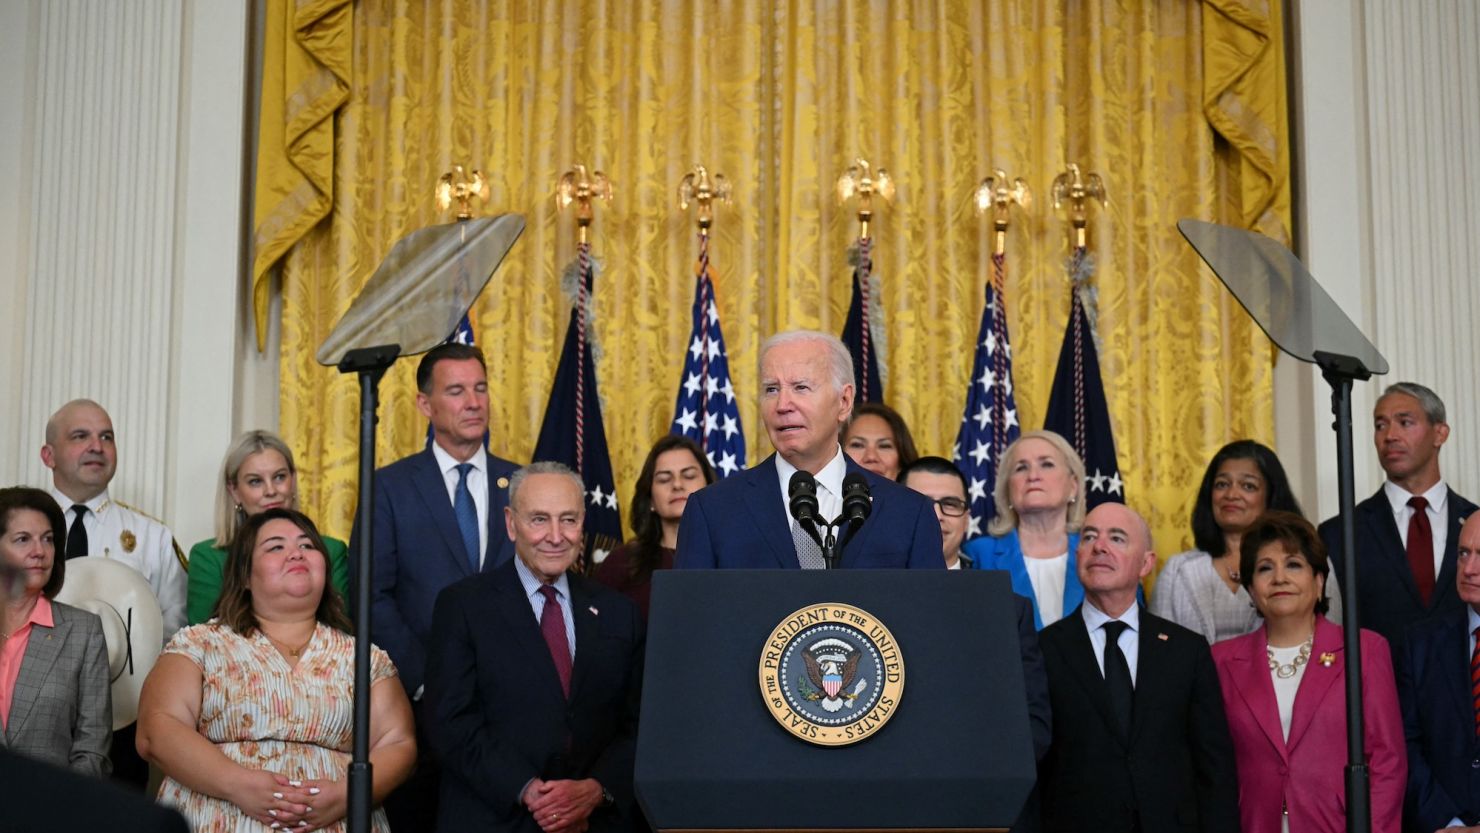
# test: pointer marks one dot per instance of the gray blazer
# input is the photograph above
(62, 707)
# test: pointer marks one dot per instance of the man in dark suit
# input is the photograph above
(1405, 534)
(1436, 670)
(438, 518)
(1140, 739)
(744, 521)
(533, 680)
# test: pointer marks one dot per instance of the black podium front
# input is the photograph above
(955, 752)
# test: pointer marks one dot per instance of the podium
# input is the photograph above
(718, 744)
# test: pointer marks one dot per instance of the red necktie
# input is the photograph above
(1421, 548)
(1475, 680)
(552, 627)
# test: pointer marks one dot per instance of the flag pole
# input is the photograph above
(581, 188)
(863, 182)
(996, 194)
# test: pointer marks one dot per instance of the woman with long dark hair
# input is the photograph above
(675, 468)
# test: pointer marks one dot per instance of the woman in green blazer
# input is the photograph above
(258, 474)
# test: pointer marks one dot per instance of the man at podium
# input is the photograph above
(745, 521)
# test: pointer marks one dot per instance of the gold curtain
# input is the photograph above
(779, 98)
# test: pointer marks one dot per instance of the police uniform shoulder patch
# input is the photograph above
(831, 674)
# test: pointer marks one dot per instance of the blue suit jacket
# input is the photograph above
(1439, 721)
(1389, 599)
(1006, 553)
(496, 716)
(741, 522)
(418, 550)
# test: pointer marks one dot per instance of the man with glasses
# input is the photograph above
(938, 479)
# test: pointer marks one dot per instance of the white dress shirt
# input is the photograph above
(1438, 509)
(1130, 639)
(829, 485)
(477, 484)
(124, 534)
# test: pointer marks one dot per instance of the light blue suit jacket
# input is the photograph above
(1006, 553)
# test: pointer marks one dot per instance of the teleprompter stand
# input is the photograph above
(1302, 320)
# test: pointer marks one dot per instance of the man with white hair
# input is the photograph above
(744, 521)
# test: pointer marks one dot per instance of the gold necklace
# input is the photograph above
(283, 646)
(1287, 670)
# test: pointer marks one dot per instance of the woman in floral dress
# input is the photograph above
(250, 715)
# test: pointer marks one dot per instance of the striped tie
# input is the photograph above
(1475, 680)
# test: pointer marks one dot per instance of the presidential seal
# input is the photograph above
(831, 674)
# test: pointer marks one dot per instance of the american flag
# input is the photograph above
(860, 328)
(990, 421)
(705, 411)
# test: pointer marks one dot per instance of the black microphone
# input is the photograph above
(802, 495)
(857, 501)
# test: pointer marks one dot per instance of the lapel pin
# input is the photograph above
(503, 482)
(1327, 658)
(594, 611)
(1162, 637)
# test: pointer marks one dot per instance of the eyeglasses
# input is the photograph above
(951, 507)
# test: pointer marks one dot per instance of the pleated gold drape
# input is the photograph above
(1178, 105)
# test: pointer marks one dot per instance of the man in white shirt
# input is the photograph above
(1140, 737)
(744, 520)
(439, 517)
(81, 452)
(1405, 534)
(82, 456)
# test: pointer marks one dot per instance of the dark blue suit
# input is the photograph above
(418, 551)
(497, 716)
(741, 522)
(1433, 671)
(1389, 600)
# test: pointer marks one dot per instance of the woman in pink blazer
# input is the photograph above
(1286, 700)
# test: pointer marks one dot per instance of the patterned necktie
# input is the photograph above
(809, 554)
(552, 627)
(467, 515)
(77, 533)
(1421, 549)
(1475, 680)
(1118, 676)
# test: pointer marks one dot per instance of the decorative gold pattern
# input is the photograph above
(519, 89)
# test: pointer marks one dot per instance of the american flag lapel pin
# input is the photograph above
(594, 611)
(1162, 637)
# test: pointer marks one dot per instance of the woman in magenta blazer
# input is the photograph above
(1284, 692)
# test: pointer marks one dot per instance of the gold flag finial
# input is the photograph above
(863, 182)
(458, 185)
(997, 194)
(1075, 190)
(701, 188)
(580, 187)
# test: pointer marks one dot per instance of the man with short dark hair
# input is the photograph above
(533, 679)
(1140, 737)
(1405, 534)
(1437, 669)
(438, 519)
(744, 520)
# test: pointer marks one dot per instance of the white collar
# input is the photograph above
(94, 505)
(1437, 496)
(446, 462)
(1094, 618)
(829, 478)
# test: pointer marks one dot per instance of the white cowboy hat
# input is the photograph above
(132, 624)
